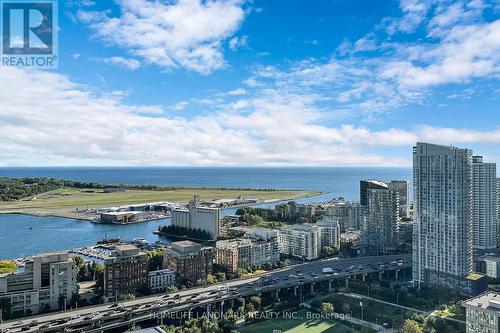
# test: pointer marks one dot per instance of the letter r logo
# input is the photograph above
(28, 27)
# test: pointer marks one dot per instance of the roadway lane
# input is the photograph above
(139, 308)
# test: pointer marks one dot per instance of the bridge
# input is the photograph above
(300, 280)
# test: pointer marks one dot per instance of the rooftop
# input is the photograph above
(474, 276)
(489, 300)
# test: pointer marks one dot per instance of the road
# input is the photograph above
(106, 316)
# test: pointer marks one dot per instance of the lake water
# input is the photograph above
(54, 234)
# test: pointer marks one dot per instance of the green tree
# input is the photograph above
(172, 289)
(211, 279)
(99, 279)
(155, 259)
(256, 301)
(411, 326)
(7, 266)
(327, 307)
(250, 308)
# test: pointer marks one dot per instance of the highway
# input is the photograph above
(107, 316)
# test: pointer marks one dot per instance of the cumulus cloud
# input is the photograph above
(183, 34)
(47, 119)
(458, 46)
(465, 53)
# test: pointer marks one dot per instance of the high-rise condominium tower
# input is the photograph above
(484, 203)
(379, 217)
(442, 235)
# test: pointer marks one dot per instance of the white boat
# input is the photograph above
(140, 240)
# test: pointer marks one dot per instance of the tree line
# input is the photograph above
(182, 231)
(12, 189)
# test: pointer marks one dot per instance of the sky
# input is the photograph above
(257, 83)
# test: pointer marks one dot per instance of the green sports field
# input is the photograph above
(297, 325)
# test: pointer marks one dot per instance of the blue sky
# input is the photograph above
(274, 83)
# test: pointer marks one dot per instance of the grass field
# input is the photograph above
(63, 202)
(297, 326)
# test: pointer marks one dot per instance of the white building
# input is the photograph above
(329, 229)
(45, 279)
(482, 313)
(301, 241)
(307, 240)
(485, 223)
(161, 279)
(498, 212)
(492, 267)
(442, 241)
(198, 217)
(258, 249)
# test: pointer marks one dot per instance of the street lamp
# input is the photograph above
(362, 326)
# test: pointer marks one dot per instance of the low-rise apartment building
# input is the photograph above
(482, 313)
(254, 252)
(159, 280)
(190, 261)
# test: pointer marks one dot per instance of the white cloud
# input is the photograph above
(236, 92)
(466, 52)
(180, 106)
(185, 33)
(236, 43)
(458, 46)
(131, 64)
(46, 119)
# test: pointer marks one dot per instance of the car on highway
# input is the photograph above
(222, 288)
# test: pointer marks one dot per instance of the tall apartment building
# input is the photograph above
(442, 234)
(401, 186)
(345, 212)
(307, 240)
(301, 241)
(485, 218)
(482, 313)
(379, 217)
(46, 280)
(498, 212)
(196, 216)
(190, 261)
(125, 272)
